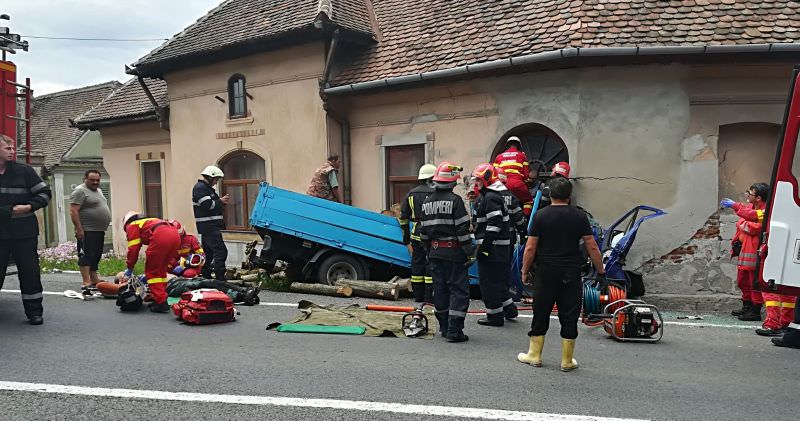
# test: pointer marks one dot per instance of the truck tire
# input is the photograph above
(341, 266)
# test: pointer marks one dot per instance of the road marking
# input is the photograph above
(521, 316)
(340, 404)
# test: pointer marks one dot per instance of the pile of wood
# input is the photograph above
(347, 288)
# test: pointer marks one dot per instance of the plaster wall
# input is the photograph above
(286, 125)
(635, 135)
(121, 145)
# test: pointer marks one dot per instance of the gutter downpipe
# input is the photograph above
(562, 54)
(344, 123)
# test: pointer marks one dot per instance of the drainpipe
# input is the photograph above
(161, 114)
(343, 122)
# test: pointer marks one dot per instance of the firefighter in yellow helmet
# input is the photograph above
(410, 212)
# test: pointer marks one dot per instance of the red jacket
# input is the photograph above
(748, 231)
(138, 233)
(189, 245)
(513, 162)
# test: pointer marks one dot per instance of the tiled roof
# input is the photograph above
(50, 128)
(425, 35)
(129, 101)
(236, 22)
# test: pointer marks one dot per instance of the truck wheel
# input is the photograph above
(341, 266)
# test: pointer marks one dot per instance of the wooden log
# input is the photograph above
(253, 277)
(320, 289)
(373, 289)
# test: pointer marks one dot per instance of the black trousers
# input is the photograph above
(90, 249)
(216, 254)
(494, 287)
(30, 278)
(450, 294)
(178, 286)
(556, 285)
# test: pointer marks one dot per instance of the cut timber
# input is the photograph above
(372, 289)
(253, 277)
(330, 290)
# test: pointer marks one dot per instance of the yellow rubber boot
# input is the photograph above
(534, 355)
(567, 351)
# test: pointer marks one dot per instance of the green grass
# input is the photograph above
(109, 266)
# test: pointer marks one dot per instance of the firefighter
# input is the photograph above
(410, 211)
(445, 234)
(517, 233)
(208, 210)
(492, 230)
(561, 169)
(162, 241)
(189, 260)
(554, 245)
(22, 192)
(780, 308)
(791, 335)
(514, 163)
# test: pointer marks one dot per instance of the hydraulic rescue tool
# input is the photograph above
(415, 323)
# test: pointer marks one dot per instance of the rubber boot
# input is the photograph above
(491, 321)
(510, 311)
(455, 330)
(534, 355)
(790, 339)
(428, 293)
(567, 351)
(753, 314)
(745, 306)
(418, 290)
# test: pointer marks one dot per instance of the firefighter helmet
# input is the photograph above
(447, 173)
(129, 217)
(485, 173)
(177, 224)
(513, 139)
(561, 168)
(213, 171)
(426, 171)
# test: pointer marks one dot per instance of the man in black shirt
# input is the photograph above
(554, 246)
(22, 192)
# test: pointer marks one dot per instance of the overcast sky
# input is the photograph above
(55, 65)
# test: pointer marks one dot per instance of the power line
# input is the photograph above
(98, 39)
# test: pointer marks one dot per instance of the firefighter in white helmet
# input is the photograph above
(410, 212)
(208, 211)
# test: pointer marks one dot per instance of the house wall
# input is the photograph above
(124, 148)
(635, 135)
(286, 116)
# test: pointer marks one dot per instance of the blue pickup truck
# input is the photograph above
(323, 241)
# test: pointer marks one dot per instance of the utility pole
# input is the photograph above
(11, 91)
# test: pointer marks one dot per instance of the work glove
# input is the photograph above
(602, 282)
(726, 203)
(177, 271)
(128, 273)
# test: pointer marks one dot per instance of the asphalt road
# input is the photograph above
(135, 365)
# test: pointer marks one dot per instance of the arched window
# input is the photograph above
(237, 97)
(543, 147)
(243, 171)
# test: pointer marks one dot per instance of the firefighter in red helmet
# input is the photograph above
(445, 234)
(492, 225)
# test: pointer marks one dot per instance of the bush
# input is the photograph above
(65, 257)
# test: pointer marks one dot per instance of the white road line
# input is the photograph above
(340, 404)
(522, 316)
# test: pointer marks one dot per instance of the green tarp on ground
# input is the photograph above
(376, 323)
